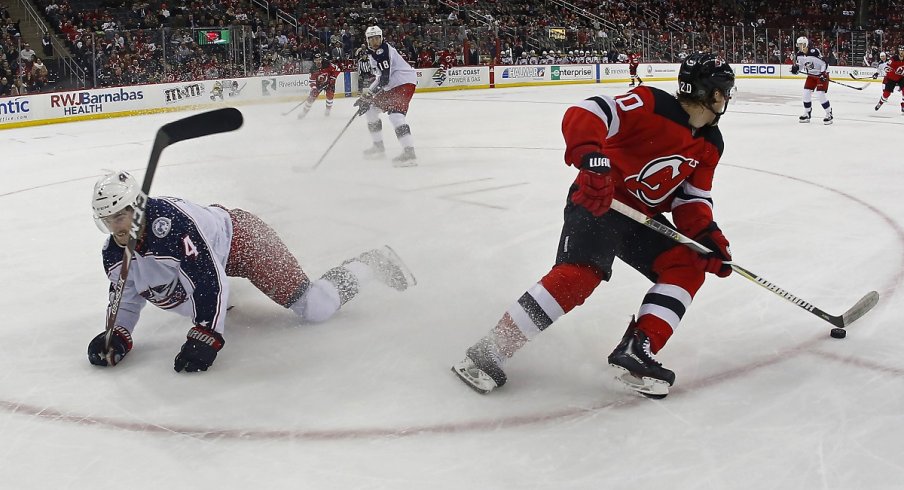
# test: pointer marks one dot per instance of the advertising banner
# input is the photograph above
(459, 76)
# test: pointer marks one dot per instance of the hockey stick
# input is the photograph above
(293, 109)
(349, 123)
(850, 86)
(853, 313)
(206, 123)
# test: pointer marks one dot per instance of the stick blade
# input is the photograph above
(203, 124)
(861, 308)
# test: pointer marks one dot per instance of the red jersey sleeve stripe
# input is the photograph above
(603, 107)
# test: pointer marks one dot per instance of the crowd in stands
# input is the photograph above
(22, 70)
(122, 42)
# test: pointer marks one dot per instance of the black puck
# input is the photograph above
(838, 333)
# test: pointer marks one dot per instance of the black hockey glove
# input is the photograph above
(795, 69)
(363, 105)
(199, 351)
(876, 76)
(120, 343)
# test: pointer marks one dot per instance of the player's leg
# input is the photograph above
(330, 94)
(808, 106)
(586, 251)
(308, 103)
(821, 96)
(886, 93)
(396, 102)
(259, 255)
(340, 284)
(375, 128)
(677, 274)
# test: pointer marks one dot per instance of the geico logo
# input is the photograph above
(758, 70)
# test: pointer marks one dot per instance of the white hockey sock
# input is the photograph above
(402, 130)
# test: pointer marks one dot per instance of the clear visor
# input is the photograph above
(116, 221)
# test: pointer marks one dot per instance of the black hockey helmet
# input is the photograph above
(702, 73)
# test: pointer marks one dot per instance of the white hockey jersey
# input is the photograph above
(179, 265)
(811, 62)
(390, 68)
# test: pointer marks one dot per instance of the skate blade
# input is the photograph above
(476, 379)
(409, 276)
(648, 387)
(375, 156)
(406, 163)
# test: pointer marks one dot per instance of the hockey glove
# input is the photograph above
(876, 76)
(795, 69)
(120, 343)
(595, 186)
(199, 351)
(363, 105)
(823, 77)
(713, 239)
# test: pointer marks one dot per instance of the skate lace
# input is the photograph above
(648, 355)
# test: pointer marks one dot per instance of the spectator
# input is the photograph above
(39, 73)
(4, 87)
(26, 54)
(18, 88)
(46, 46)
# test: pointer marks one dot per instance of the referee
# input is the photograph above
(365, 71)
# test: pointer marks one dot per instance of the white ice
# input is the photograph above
(764, 399)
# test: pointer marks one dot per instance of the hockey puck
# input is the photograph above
(838, 333)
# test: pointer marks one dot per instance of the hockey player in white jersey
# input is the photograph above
(390, 92)
(809, 61)
(185, 254)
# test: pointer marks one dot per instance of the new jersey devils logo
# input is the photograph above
(658, 179)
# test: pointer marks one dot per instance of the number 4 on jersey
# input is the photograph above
(190, 248)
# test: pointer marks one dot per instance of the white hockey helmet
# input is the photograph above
(544, 53)
(112, 193)
(802, 42)
(373, 31)
(883, 56)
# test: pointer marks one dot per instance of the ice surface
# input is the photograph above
(764, 399)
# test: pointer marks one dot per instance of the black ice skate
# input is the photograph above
(388, 267)
(304, 112)
(406, 159)
(828, 119)
(478, 370)
(375, 151)
(640, 371)
(805, 118)
(880, 105)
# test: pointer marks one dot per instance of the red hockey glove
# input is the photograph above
(595, 186)
(713, 239)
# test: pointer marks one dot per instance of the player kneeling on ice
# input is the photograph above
(391, 93)
(185, 254)
(656, 153)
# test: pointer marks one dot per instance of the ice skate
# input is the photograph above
(805, 118)
(328, 110)
(406, 159)
(388, 267)
(828, 119)
(479, 371)
(639, 370)
(304, 112)
(376, 151)
(880, 105)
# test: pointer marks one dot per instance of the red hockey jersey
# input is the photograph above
(659, 162)
(324, 78)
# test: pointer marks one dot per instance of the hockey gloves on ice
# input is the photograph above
(199, 351)
(120, 342)
(363, 105)
(595, 186)
(713, 239)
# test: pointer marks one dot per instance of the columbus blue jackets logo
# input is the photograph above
(166, 296)
(658, 179)
(161, 227)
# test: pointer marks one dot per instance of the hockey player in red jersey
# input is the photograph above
(633, 63)
(894, 77)
(656, 153)
(446, 57)
(323, 79)
(184, 256)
